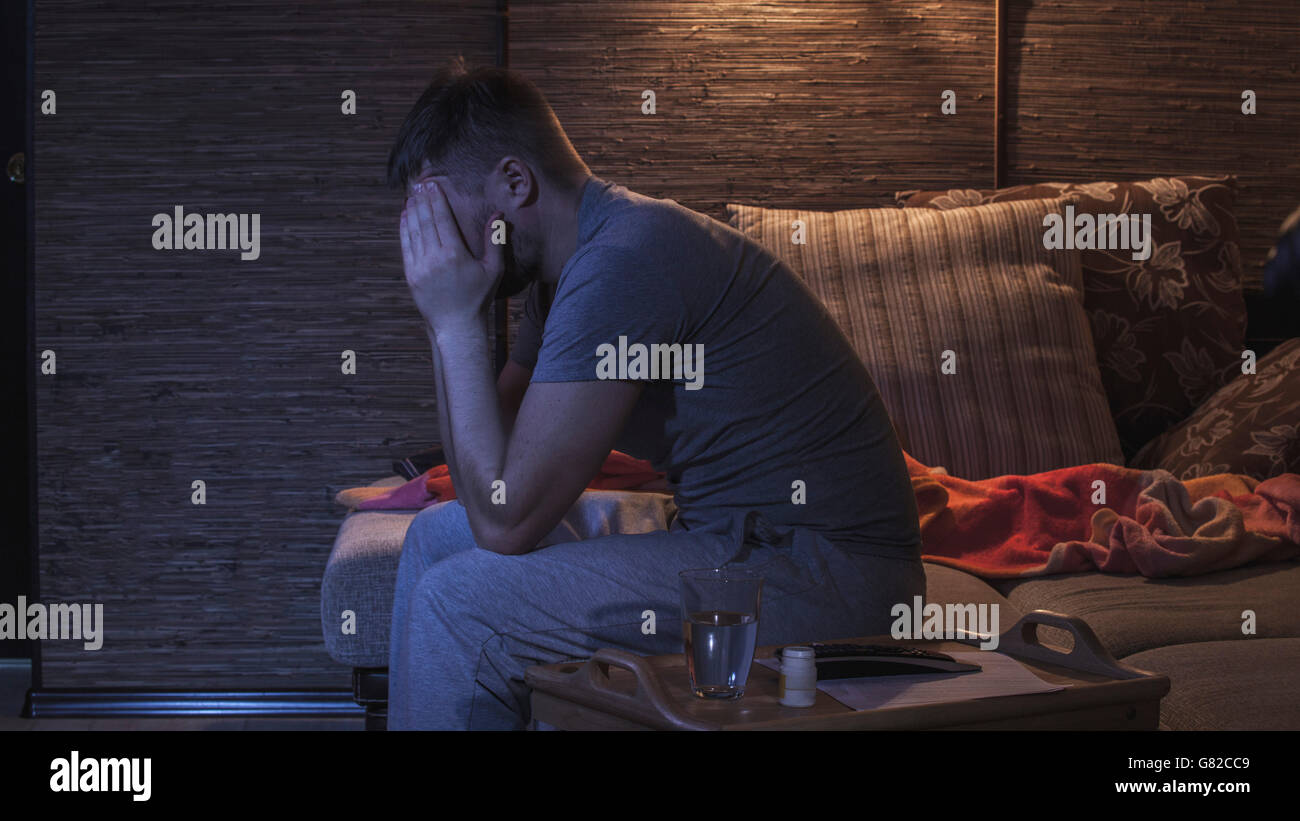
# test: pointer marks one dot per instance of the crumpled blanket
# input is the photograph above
(1105, 517)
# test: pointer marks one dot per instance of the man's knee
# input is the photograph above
(438, 531)
(465, 588)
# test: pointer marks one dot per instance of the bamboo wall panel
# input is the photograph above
(804, 104)
(822, 104)
(182, 365)
(1133, 89)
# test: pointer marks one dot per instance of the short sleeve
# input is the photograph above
(607, 293)
(529, 339)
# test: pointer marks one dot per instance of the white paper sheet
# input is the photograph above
(1000, 675)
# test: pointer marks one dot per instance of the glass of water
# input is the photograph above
(720, 627)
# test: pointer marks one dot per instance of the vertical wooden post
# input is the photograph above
(999, 94)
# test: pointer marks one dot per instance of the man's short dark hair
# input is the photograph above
(466, 121)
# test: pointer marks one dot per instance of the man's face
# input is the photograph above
(471, 213)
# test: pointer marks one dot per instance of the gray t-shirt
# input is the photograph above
(781, 398)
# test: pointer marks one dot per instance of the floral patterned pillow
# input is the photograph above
(1252, 426)
(1169, 330)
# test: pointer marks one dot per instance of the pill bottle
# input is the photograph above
(798, 687)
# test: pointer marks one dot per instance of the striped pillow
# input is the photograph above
(973, 332)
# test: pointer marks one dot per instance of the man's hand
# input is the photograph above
(447, 283)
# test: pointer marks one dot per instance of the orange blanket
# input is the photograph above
(1091, 517)
(1105, 517)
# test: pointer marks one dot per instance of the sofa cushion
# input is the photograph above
(359, 578)
(972, 331)
(1168, 330)
(948, 585)
(1133, 613)
(1241, 684)
(1251, 426)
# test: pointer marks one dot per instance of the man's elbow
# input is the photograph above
(503, 538)
(507, 546)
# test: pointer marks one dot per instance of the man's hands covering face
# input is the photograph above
(447, 283)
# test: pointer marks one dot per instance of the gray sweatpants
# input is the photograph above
(467, 622)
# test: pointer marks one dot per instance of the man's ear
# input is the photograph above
(519, 183)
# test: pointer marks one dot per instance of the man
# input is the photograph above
(780, 451)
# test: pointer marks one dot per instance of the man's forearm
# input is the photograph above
(471, 418)
(444, 419)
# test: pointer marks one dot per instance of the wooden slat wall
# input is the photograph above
(820, 103)
(184, 365)
(806, 103)
(1133, 89)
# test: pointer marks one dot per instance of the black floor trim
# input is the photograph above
(119, 703)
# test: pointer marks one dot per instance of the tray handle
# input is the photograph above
(588, 685)
(1088, 653)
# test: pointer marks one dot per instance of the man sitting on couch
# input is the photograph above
(778, 447)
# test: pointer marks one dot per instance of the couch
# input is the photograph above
(1164, 377)
(1188, 629)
